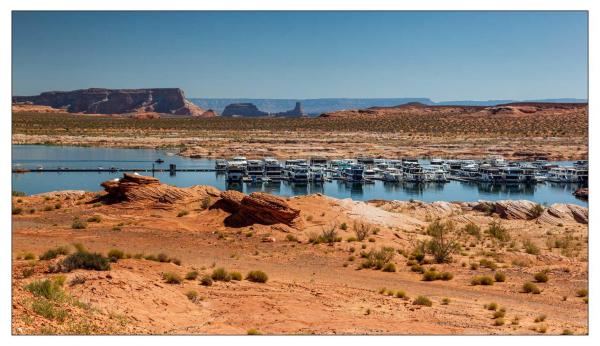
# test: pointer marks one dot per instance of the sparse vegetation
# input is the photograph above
(422, 300)
(499, 277)
(83, 260)
(192, 275)
(172, 278)
(443, 244)
(237, 276)
(531, 248)
(482, 280)
(95, 218)
(253, 331)
(53, 253)
(496, 230)
(206, 280)
(78, 224)
(582, 292)
(115, 255)
(377, 259)
(361, 230)
(257, 276)
(220, 274)
(472, 229)
(541, 276)
(182, 213)
(530, 287)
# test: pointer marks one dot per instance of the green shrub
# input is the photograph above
(95, 218)
(206, 281)
(389, 267)
(361, 230)
(472, 229)
(162, 257)
(27, 272)
(205, 204)
(446, 276)
(499, 321)
(417, 268)
(496, 230)
(237, 276)
(78, 224)
(431, 275)
(253, 331)
(540, 318)
(531, 248)
(537, 210)
(530, 287)
(422, 300)
(541, 276)
(182, 213)
(567, 332)
(53, 253)
(491, 306)
(115, 254)
(220, 274)
(343, 226)
(474, 266)
(257, 276)
(28, 256)
(175, 261)
(351, 239)
(191, 275)
(84, 260)
(172, 278)
(151, 258)
(18, 193)
(499, 277)
(46, 288)
(500, 313)
(47, 310)
(446, 301)
(401, 294)
(443, 244)
(482, 280)
(17, 210)
(486, 263)
(59, 280)
(192, 295)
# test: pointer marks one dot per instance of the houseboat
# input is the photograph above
(353, 173)
(235, 172)
(273, 169)
(255, 170)
(298, 174)
(392, 175)
(220, 165)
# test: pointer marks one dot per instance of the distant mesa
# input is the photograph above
(243, 110)
(250, 110)
(170, 101)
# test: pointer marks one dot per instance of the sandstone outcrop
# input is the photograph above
(116, 101)
(258, 207)
(139, 188)
(582, 193)
(559, 213)
(244, 110)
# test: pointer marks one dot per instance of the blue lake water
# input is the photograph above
(33, 156)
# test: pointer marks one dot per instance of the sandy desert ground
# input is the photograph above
(319, 282)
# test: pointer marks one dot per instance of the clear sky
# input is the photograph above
(440, 55)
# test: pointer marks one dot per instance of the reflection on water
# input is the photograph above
(30, 156)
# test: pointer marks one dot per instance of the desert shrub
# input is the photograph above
(531, 248)
(401, 294)
(377, 259)
(257, 276)
(78, 224)
(443, 244)
(59, 280)
(206, 281)
(541, 276)
(530, 287)
(351, 239)
(446, 276)
(582, 292)
(537, 210)
(417, 268)
(220, 274)
(253, 331)
(491, 306)
(84, 260)
(486, 263)
(430, 275)
(46, 288)
(499, 277)
(77, 280)
(175, 261)
(192, 295)
(191, 275)
(567, 332)
(540, 318)
(422, 300)
(53, 253)
(474, 266)
(237, 276)
(499, 321)
(162, 257)
(47, 208)
(343, 226)
(17, 210)
(151, 258)
(18, 193)
(329, 235)
(389, 267)
(28, 256)
(361, 230)
(172, 278)
(446, 301)
(496, 230)
(472, 229)
(95, 218)
(27, 272)
(291, 237)
(182, 213)
(482, 280)
(115, 254)
(205, 202)
(47, 310)
(500, 313)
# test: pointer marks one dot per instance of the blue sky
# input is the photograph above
(440, 55)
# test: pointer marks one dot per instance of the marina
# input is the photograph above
(359, 179)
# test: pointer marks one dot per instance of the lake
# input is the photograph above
(33, 156)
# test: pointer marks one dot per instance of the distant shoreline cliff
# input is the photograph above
(117, 101)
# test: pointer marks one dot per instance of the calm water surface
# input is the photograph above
(33, 156)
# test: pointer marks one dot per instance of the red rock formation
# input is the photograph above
(139, 188)
(258, 207)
